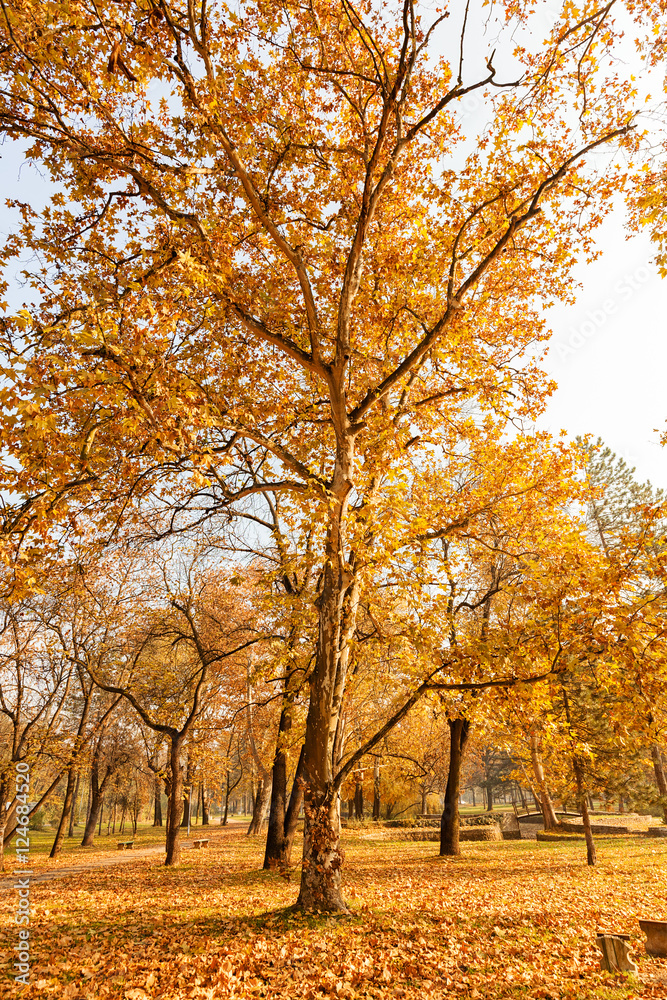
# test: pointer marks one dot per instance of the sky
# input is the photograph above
(608, 353)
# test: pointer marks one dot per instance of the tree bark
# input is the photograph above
(260, 807)
(204, 805)
(60, 832)
(294, 808)
(376, 789)
(73, 768)
(186, 806)
(135, 810)
(338, 601)
(157, 804)
(283, 819)
(322, 856)
(74, 798)
(278, 843)
(223, 821)
(358, 798)
(3, 819)
(660, 777)
(548, 812)
(459, 730)
(96, 800)
(275, 835)
(174, 804)
(582, 803)
(591, 856)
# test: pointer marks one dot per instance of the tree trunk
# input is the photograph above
(275, 835)
(581, 785)
(660, 778)
(283, 821)
(322, 855)
(174, 804)
(204, 805)
(135, 814)
(278, 845)
(358, 799)
(489, 797)
(548, 812)
(186, 807)
(157, 805)
(67, 804)
(376, 789)
(226, 813)
(583, 807)
(73, 769)
(262, 800)
(74, 798)
(459, 730)
(3, 820)
(294, 808)
(95, 812)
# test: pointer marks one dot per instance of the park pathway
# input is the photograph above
(125, 857)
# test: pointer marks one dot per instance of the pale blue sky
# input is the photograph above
(608, 353)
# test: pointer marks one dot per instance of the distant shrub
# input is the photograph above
(37, 821)
(484, 820)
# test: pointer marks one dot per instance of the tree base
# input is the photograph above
(334, 907)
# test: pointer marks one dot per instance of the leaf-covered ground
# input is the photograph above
(513, 919)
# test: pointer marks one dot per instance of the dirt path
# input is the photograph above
(124, 857)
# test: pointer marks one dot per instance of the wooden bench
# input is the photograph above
(200, 843)
(125, 845)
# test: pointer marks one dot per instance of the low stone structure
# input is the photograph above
(509, 825)
(598, 829)
(465, 833)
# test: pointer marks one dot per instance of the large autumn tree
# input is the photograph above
(271, 227)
